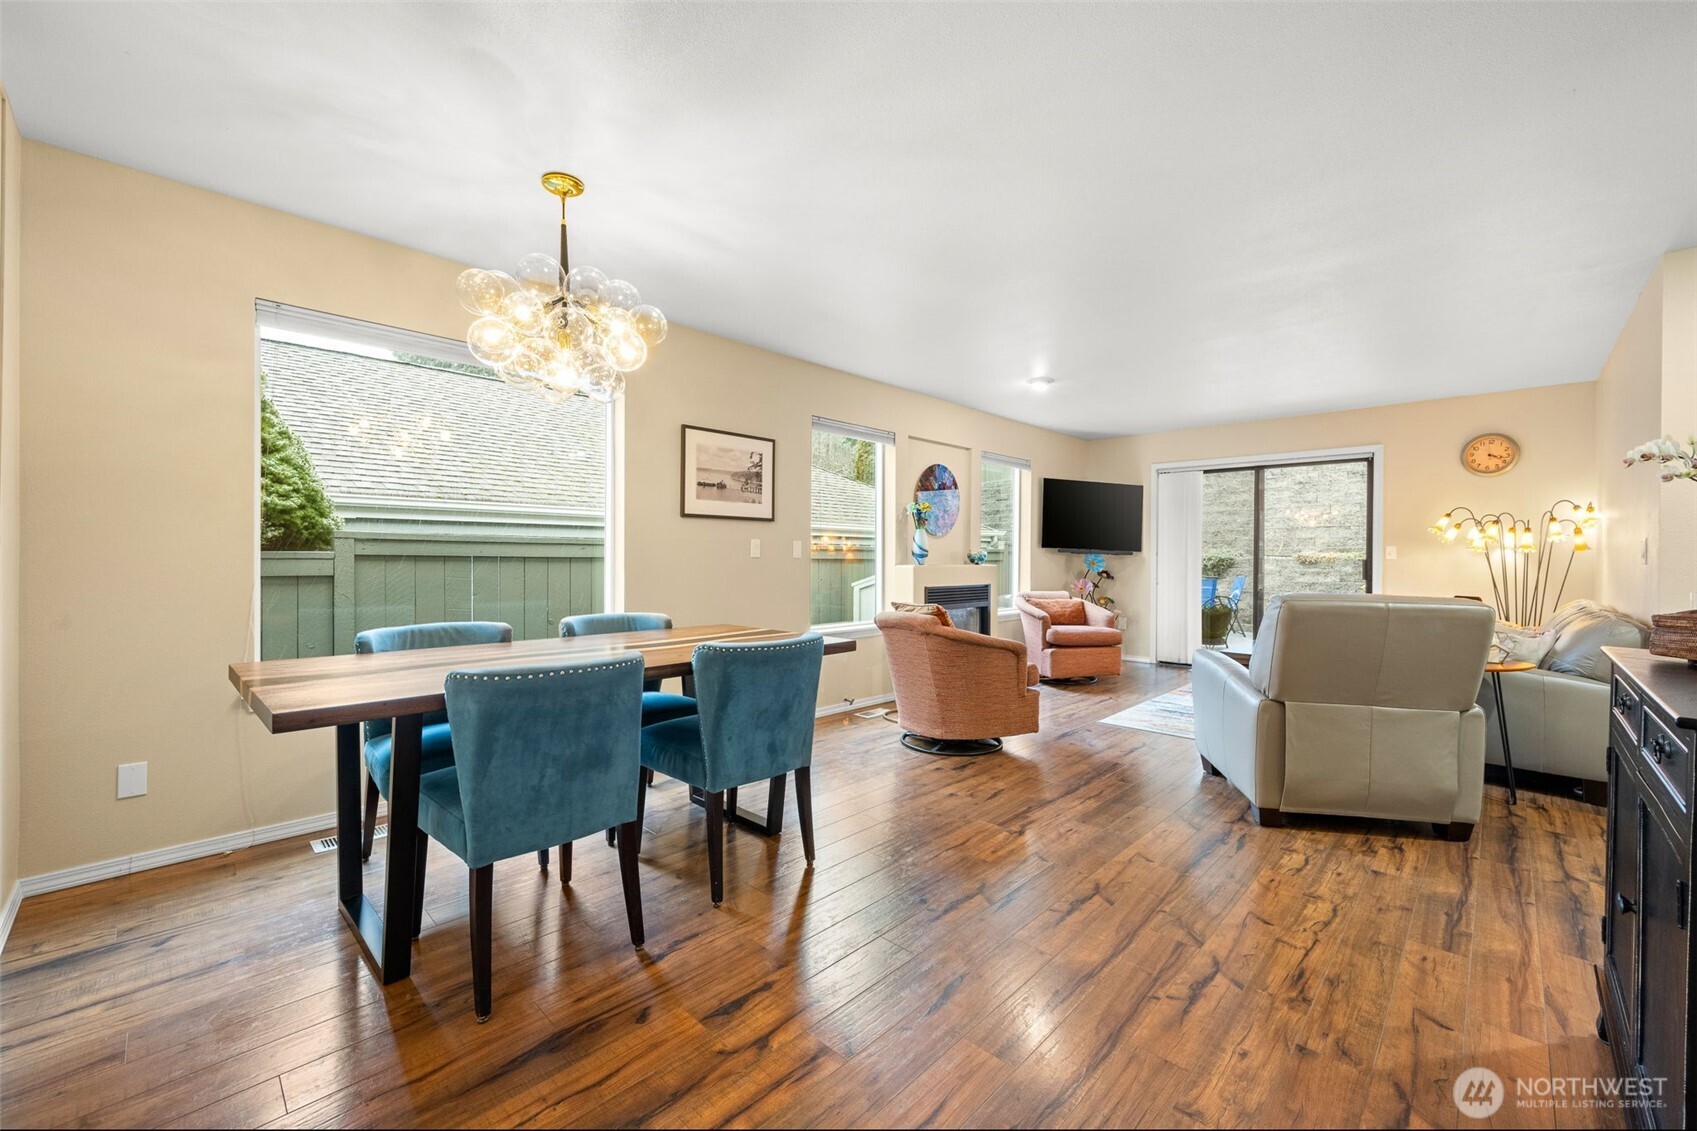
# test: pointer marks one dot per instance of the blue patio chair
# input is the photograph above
(545, 754)
(1210, 587)
(436, 746)
(1236, 601)
(755, 724)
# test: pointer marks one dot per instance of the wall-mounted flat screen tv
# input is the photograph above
(1080, 516)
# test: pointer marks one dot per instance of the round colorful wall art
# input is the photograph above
(938, 487)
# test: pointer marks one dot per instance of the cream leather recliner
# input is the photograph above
(1361, 706)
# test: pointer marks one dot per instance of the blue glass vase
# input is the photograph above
(920, 550)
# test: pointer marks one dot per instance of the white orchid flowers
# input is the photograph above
(1677, 462)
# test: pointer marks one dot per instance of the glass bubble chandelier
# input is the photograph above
(557, 329)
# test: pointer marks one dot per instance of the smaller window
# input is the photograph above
(847, 536)
(999, 500)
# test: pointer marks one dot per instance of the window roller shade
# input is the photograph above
(853, 431)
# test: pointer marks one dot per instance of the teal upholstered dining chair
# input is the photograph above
(755, 723)
(657, 706)
(436, 746)
(543, 754)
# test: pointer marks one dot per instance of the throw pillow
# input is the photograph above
(1579, 647)
(1061, 610)
(1577, 609)
(1517, 644)
(937, 611)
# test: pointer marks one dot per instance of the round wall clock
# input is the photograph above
(1490, 454)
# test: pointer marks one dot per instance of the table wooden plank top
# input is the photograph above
(321, 691)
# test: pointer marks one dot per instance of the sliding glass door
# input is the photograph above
(1280, 528)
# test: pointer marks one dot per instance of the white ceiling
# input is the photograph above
(1186, 214)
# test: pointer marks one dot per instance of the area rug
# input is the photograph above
(1172, 713)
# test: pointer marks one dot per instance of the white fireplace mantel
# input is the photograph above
(907, 582)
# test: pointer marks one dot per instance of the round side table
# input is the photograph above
(1495, 671)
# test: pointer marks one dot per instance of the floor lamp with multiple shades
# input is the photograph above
(1523, 555)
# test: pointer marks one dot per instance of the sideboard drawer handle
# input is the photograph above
(1624, 905)
(1659, 748)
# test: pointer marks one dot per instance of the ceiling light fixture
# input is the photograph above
(1039, 384)
(558, 329)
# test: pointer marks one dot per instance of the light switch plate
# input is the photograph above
(754, 547)
(132, 780)
(795, 548)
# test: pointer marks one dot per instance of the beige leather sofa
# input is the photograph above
(1353, 705)
(1558, 713)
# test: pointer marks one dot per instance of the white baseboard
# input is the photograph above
(176, 854)
(845, 707)
(1130, 659)
(11, 912)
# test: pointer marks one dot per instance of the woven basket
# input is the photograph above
(1675, 634)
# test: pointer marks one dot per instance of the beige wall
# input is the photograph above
(11, 170)
(1676, 572)
(1648, 388)
(139, 556)
(1629, 411)
(1422, 476)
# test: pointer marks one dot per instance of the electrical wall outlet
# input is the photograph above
(1390, 553)
(132, 780)
(754, 547)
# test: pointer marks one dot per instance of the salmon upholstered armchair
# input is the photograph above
(1070, 640)
(957, 692)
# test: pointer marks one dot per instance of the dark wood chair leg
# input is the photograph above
(482, 938)
(1455, 830)
(716, 845)
(542, 860)
(641, 803)
(775, 806)
(1267, 818)
(418, 885)
(612, 838)
(565, 863)
(368, 831)
(804, 808)
(731, 800)
(629, 837)
(647, 778)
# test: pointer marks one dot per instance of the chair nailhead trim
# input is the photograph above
(623, 663)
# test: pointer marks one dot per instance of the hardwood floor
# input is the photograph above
(1082, 931)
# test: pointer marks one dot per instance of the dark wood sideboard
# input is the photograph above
(1647, 953)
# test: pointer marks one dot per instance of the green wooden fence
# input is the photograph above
(313, 604)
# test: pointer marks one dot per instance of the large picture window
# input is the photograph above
(847, 536)
(1000, 498)
(401, 483)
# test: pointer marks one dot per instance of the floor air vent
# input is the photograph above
(328, 843)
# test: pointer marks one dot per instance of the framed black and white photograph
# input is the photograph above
(726, 475)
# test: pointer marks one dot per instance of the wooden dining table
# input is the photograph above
(346, 691)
